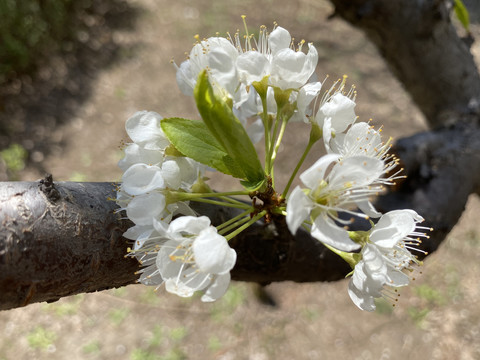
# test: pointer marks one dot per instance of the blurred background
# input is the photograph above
(72, 72)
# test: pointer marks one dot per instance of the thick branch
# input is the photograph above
(442, 171)
(423, 50)
(63, 240)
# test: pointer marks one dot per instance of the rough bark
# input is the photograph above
(423, 50)
(63, 239)
(66, 238)
(421, 47)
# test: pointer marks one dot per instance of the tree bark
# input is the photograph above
(423, 50)
(66, 238)
(421, 47)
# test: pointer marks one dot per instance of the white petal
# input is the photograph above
(305, 96)
(217, 289)
(150, 275)
(168, 268)
(223, 69)
(392, 227)
(212, 253)
(327, 134)
(255, 131)
(143, 208)
(188, 224)
(299, 206)
(161, 226)
(252, 66)
(373, 261)
(137, 154)
(189, 171)
(397, 278)
(368, 209)
(144, 129)
(178, 288)
(325, 230)
(361, 139)
(289, 70)
(363, 300)
(316, 173)
(186, 82)
(279, 39)
(341, 109)
(357, 170)
(135, 231)
(171, 174)
(140, 179)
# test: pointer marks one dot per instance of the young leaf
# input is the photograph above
(227, 129)
(462, 14)
(193, 139)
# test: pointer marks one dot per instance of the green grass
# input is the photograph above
(140, 354)
(93, 347)
(226, 305)
(178, 334)
(66, 307)
(14, 158)
(117, 316)
(157, 336)
(214, 343)
(41, 338)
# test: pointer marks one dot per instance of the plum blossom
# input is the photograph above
(333, 185)
(384, 256)
(149, 172)
(285, 67)
(187, 255)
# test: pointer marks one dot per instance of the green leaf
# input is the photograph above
(253, 186)
(462, 14)
(227, 129)
(193, 139)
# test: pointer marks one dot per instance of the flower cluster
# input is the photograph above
(152, 175)
(245, 90)
(244, 72)
(385, 255)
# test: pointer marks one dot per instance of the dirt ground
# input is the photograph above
(74, 130)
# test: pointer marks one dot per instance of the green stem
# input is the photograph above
(234, 225)
(302, 159)
(279, 140)
(245, 226)
(348, 257)
(222, 203)
(266, 128)
(232, 220)
(231, 200)
(270, 150)
(184, 196)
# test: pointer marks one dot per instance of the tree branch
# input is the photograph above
(422, 49)
(66, 239)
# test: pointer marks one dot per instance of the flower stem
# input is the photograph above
(279, 140)
(348, 257)
(222, 203)
(234, 225)
(184, 196)
(230, 200)
(266, 129)
(245, 226)
(232, 220)
(302, 159)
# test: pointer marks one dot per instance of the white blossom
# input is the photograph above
(384, 256)
(333, 185)
(195, 258)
